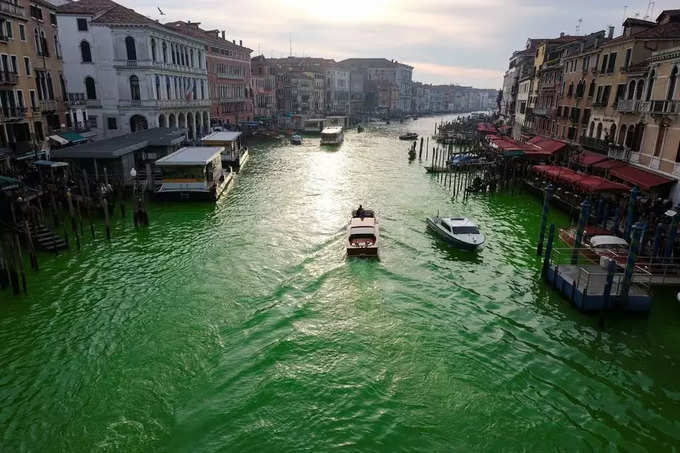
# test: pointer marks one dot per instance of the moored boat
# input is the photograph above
(362, 234)
(408, 136)
(193, 173)
(457, 231)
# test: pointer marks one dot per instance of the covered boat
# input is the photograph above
(296, 139)
(458, 231)
(408, 136)
(362, 234)
(332, 135)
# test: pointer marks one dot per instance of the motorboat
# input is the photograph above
(332, 135)
(458, 231)
(296, 139)
(408, 136)
(598, 242)
(363, 234)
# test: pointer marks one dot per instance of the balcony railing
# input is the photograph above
(165, 103)
(13, 112)
(660, 107)
(619, 152)
(595, 144)
(628, 106)
(11, 8)
(48, 105)
(8, 78)
(76, 99)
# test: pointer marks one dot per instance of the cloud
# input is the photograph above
(436, 73)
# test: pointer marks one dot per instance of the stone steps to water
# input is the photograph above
(46, 239)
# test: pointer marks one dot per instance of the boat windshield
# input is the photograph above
(465, 230)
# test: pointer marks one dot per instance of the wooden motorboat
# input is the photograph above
(408, 136)
(457, 231)
(363, 234)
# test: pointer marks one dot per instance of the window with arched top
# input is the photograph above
(165, 52)
(592, 129)
(639, 89)
(85, 52)
(672, 81)
(650, 86)
(570, 91)
(631, 89)
(158, 87)
(90, 90)
(135, 94)
(153, 49)
(599, 130)
(130, 48)
(50, 87)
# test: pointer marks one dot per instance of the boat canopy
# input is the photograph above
(191, 156)
(362, 231)
(332, 130)
(600, 241)
(224, 136)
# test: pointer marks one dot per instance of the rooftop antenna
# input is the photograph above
(650, 9)
(578, 26)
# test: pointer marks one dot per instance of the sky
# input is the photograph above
(467, 42)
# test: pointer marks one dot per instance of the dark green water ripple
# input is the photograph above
(241, 327)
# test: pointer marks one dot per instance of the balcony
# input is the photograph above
(224, 75)
(13, 113)
(660, 107)
(165, 103)
(74, 99)
(628, 106)
(48, 105)
(595, 144)
(8, 78)
(11, 8)
(619, 152)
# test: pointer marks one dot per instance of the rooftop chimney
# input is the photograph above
(222, 34)
(610, 35)
(233, 41)
(240, 42)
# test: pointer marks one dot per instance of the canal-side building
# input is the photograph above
(263, 82)
(32, 86)
(337, 86)
(132, 72)
(229, 74)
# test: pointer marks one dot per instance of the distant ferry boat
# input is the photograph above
(332, 135)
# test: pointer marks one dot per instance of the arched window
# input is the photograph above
(90, 89)
(165, 52)
(640, 89)
(158, 87)
(191, 57)
(591, 89)
(36, 37)
(599, 131)
(631, 89)
(612, 134)
(130, 48)
(592, 129)
(153, 49)
(85, 52)
(672, 81)
(650, 86)
(167, 87)
(622, 135)
(570, 91)
(135, 95)
(50, 88)
(43, 44)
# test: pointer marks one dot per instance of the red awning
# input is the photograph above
(592, 184)
(486, 128)
(547, 144)
(587, 158)
(552, 171)
(608, 164)
(643, 179)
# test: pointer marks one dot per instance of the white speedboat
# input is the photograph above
(296, 139)
(457, 231)
(332, 135)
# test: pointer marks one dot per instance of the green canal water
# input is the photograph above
(240, 326)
